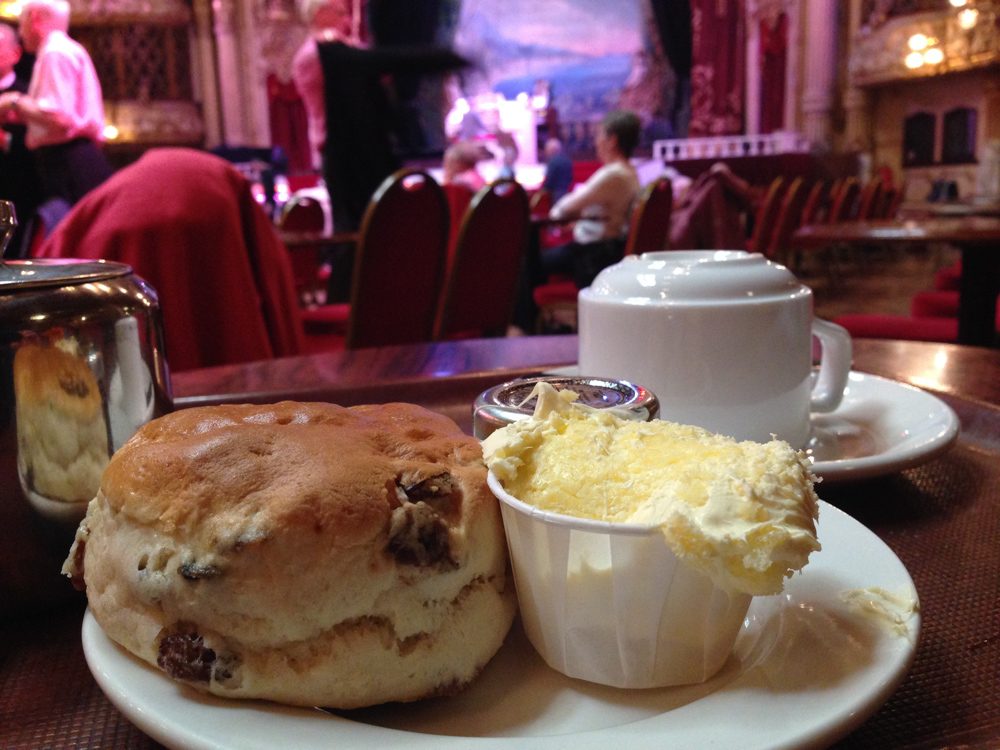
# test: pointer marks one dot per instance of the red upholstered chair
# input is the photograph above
(934, 318)
(187, 223)
(868, 200)
(843, 201)
(944, 330)
(814, 203)
(767, 216)
(304, 214)
(649, 227)
(948, 278)
(885, 201)
(895, 201)
(541, 204)
(934, 304)
(788, 219)
(649, 230)
(459, 197)
(400, 261)
(301, 214)
(484, 271)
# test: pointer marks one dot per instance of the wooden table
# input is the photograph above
(301, 239)
(978, 238)
(943, 209)
(941, 519)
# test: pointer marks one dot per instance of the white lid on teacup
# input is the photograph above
(694, 276)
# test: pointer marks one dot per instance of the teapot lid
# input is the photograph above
(20, 275)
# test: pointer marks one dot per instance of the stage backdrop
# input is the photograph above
(594, 55)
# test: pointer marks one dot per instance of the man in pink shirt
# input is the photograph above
(63, 108)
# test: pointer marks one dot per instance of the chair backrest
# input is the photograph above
(789, 218)
(304, 214)
(400, 262)
(459, 197)
(767, 215)
(894, 201)
(811, 209)
(649, 229)
(483, 275)
(541, 204)
(868, 200)
(301, 214)
(842, 203)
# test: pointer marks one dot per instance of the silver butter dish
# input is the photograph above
(512, 401)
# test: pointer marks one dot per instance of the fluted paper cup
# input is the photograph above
(612, 604)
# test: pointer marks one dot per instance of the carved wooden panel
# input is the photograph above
(140, 61)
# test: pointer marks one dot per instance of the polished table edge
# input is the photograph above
(959, 230)
(972, 373)
(295, 239)
(340, 376)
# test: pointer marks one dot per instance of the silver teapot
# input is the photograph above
(81, 369)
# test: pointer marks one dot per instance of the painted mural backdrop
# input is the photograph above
(595, 56)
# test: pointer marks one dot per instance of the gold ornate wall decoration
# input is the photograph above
(87, 12)
(157, 122)
(281, 35)
(143, 61)
(142, 52)
(878, 55)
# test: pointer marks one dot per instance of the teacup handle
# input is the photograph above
(835, 365)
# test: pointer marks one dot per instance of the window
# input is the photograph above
(959, 142)
(918, 140)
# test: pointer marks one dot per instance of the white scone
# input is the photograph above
(303, 553)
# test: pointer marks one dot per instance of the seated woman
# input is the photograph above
(602, 206)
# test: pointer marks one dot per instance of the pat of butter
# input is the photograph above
(892, 610)
(744, 513)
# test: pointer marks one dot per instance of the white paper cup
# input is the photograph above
(612, 604)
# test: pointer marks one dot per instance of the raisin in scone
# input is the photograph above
(304, 553)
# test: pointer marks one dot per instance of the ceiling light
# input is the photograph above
(933, 56)
(918, 42)
(968, 17)
(959, 3)
(914, 60)
(110, 132)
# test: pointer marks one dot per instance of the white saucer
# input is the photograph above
(805, 672)
(881, 427)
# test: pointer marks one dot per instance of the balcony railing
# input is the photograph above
(730, 146)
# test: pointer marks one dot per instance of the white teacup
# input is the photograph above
(722, 337)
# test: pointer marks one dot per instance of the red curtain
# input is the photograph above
(717, 73)
(773, 61)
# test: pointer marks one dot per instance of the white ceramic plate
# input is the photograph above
(805, 672)
(881, 427)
